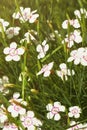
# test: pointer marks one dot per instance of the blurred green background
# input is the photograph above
(51, 9)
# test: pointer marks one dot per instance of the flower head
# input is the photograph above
(74, 112)
(64, 72)
(73, 22)
(13, 53)
(75, 126)
(79, 56)
(46, 69)
(26, 15)
(73, 37)
(8, 126)
(16, 105)
(12, 31)
(29, 121)
(54, 110)
(42, 49)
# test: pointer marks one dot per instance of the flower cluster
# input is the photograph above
(55, 109)
(16, 109)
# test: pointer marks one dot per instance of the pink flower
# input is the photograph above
(73, 37)
(29, 121)
(75, 126)
(8, 126)
(26, 15)
(54, 110)
(64, 72)
(13, 53)
(74, 112)
(46, 69)
(73, 22)
(79, 56)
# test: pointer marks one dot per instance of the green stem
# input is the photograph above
(58, 48)
(24, 76)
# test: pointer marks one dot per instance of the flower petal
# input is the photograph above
(50, 115)
(57, 117)
(20, 51)
(13, 45)
(49, 107)
(16, 58)
(8, 58)
(6, 50)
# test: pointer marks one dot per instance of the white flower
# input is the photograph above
(73, 37)
(46, 69)
(3, 24)
(79, 56)
(74, 111)
(54, 110)
(15, 110)
(73, 22)
(29, 121)
(80, 12)
(28, 36)
(16, 105)
(75, 125)
(42, 49)
(64, 72)
(8, 126)
(12, 31)
(26, 15)
(13, 53)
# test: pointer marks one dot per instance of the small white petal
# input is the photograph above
(50, 115)
(57, 117)
(63, 66)
(8, 58)
(30, 113)
(47, 73)
(76, 61)
(6, 50)
(13, 45)
(49, 107)
(39, 48)
(46, 47)
(70, 59)
(20, 51)
(57, 104)
(77, 115)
